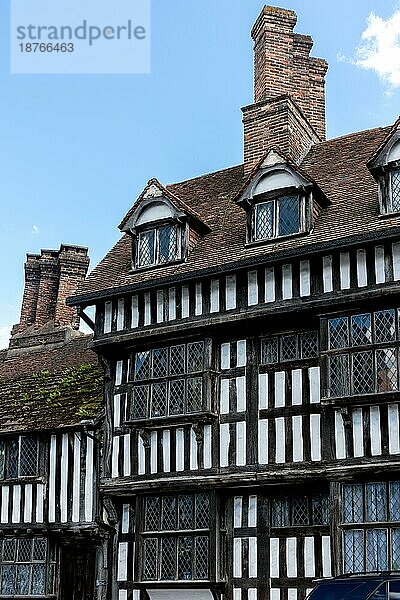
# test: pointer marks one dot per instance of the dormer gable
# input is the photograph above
(280, 200)
(385, 167)
(163, 228)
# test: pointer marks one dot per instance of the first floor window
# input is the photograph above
(19, 457)
(27, 567)
(176, 537)
(299, 510)
(278, 217)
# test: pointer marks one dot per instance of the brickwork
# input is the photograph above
(283, 70)
(50, 278)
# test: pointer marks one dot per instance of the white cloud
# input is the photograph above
(379, 50)
(35, 230)
(5, 332)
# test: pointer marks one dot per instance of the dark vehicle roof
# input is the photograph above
(352, 587)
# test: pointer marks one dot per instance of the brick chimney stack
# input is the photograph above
(50, 277)
(289, 90)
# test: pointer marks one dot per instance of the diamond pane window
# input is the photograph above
(339, 375)
(280, 512)
(300, 511)
(320, 513)
(202, 506)
(177, 360)
(201, 557)
(169, 513)
(28, 465)
(185, 553)
(140, 401)
(264, 226)
(395, 550)
(12, 459)
(146, 249)
(385, 330)
(167, 243)
(352, 503)
(29, 569)
(142, 366)
(394, 501)
(309, 344)
(270, 351)
(376, 502)
(194, 394)
(289, 215)
(9, 549)
(338, 331)
(377, 550)
(353, 551)
(363, 373)
(177, 397)
(361, 331)
(195, 357)
(289, 347)
(168, 559)
(185, 512)
(152, 514)
(386, 370)
(150, 571)
(395, 189)
(159, 399)
(160, 362)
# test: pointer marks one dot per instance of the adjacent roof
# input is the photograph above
(339, 168)
(48, 389)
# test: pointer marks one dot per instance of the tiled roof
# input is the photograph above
(48, 389)
(338, 166)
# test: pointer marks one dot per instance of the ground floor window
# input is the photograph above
(371, 527)
(27, 567)
(176, 537)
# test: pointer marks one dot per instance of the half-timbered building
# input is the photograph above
(53, 543)
(248, 324)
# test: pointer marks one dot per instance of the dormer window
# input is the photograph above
(280, 201)
(162, 227)
(158, 246)
(278, 217)
(385, 167)
(395, 190)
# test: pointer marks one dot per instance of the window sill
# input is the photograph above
(275, 240)
(389, 215)
(135, 270)
(175, 420)
(362, 398)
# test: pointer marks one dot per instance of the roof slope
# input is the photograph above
(48, 389)
(338, 166)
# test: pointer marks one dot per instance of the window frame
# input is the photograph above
(390, 525)
(276, 202)
(156, 228)
(384, 381)
(300, 336)
(394, 170)
(176, 533)
(50, 563)
(187, 377)
(5, 444)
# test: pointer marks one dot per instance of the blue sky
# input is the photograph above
(76, 150)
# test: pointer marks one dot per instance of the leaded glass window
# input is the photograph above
(278, 217)
(158, 246)
(375, 506)
(27, 567)
(176, 537)
(299, 511)
(395, 189)
(294, 346)
(363, 353)
(19, 457)
(168, 381)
